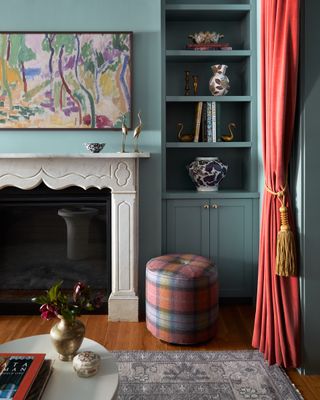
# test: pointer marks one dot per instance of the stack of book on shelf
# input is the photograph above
(206, 122)
(23, 376)
(208, 46)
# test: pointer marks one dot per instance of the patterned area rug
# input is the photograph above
(201, 375)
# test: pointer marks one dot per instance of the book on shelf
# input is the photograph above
(204, 132)
(214, 121)
(18, 374)
(208, 46)
(209, 122)
(198, 121)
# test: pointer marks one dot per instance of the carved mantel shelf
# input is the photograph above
(117, 171)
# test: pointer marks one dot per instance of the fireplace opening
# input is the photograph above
(51, 235)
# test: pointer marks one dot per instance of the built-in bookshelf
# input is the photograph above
(237, 21)
(223, 224)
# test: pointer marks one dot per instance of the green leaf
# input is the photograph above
(68, 315)
(40, 299)
(54, 291)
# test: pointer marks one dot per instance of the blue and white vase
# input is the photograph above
(207, 173)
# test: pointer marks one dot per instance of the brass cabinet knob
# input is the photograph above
(214, 206)
(206, 206)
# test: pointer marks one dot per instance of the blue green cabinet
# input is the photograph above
(221, 229)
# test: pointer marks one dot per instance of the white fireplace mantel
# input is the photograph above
(117, 171)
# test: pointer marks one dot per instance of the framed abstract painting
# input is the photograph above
(65, 80)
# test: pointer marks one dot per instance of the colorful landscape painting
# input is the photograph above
(65, 80)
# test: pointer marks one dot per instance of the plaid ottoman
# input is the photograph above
(181, 298)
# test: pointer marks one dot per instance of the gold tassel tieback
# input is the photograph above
(286, 264)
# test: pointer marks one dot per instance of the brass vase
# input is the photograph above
(67, 337)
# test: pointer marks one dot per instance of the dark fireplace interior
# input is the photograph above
(51, 235)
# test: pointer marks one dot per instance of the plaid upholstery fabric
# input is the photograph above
(181, 298)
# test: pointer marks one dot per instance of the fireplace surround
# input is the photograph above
(117, 171)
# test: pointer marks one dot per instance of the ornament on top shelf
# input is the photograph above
(206, 37)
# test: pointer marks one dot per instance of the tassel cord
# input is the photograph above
(286, 252)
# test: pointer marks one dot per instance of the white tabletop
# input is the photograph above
(64, 382)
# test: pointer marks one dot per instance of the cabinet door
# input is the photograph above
(188, 226)
(231, 245)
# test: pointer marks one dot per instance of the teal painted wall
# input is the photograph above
(143, 18)
(306, 175)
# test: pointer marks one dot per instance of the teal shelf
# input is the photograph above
(220, 194)
(207, 12)
(244, 99)
(195, 145)
(208, 7)
(203, 56)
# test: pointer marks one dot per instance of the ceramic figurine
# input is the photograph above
(229, 137)
(206, 37)
(207, 173)
(195, 79)
(124, 130)
(184, 137)
(136, 133)
(219, 84)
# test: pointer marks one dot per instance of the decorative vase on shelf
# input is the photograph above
(207, 173)
(67, 337)
(219, 83)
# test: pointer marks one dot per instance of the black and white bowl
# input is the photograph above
(94, 147)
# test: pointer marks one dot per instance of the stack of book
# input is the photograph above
(208, 46)
(23, 376)
(206, 122)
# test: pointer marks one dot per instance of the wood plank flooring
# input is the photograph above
(234, 333)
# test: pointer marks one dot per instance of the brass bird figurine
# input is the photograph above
(124, 130)
(136, 133)
(184, 137)
(230, 136)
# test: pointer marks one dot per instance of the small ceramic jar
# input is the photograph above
(86, 363)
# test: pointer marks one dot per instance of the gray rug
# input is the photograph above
(222, 375)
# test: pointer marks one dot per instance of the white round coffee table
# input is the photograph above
(64, 382)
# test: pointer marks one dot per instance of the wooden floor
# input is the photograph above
(234, 333)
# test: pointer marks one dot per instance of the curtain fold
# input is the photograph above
(277, 320)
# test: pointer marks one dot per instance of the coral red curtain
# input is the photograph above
(277, 320)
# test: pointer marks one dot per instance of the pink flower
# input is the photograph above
(56, 303)
(48, 311)
(79, 290)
